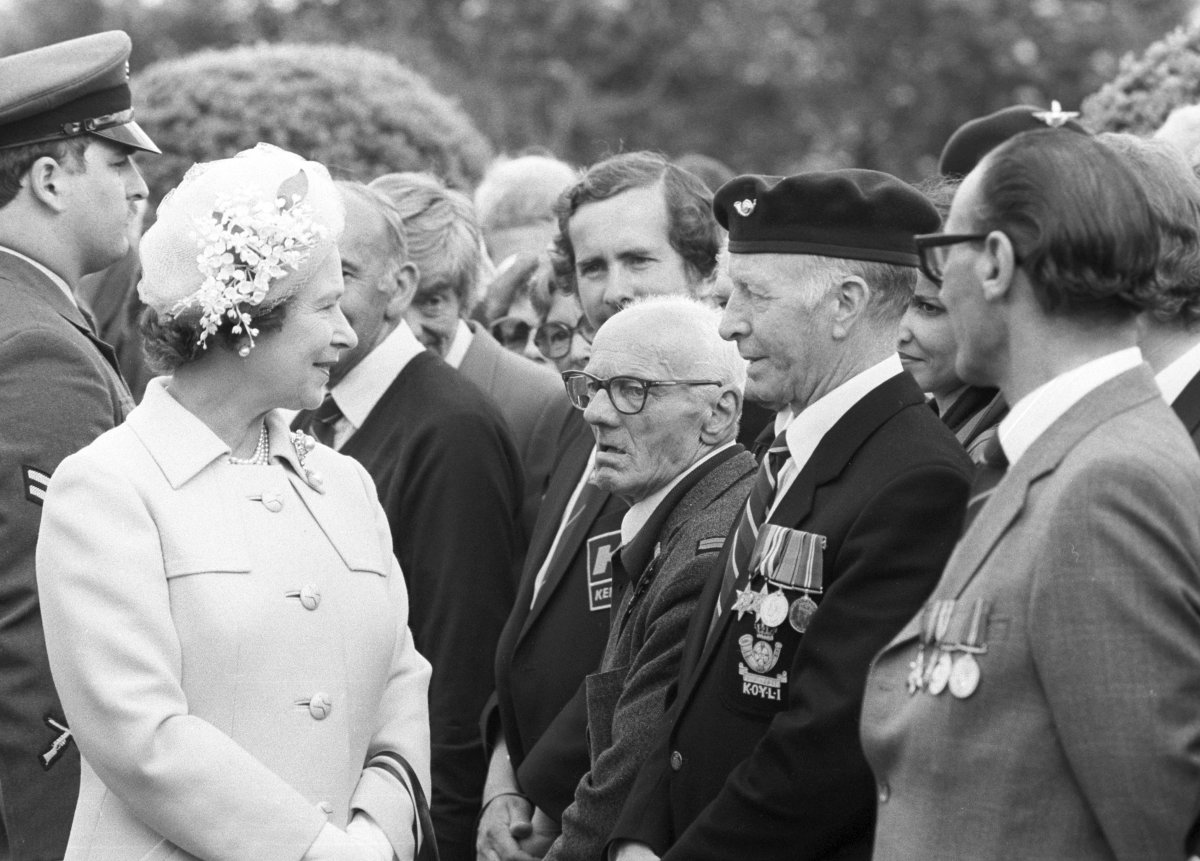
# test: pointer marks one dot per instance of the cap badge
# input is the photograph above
(1056, 116)
(745, 207)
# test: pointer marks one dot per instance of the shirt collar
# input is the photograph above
(637, 515)
(806, 429)
(1173, 379)
(458, 347)
(183, 445)
(57, 279)
(1033, 414)
(358, 392)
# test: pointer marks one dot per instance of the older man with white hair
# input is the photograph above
(662, 393)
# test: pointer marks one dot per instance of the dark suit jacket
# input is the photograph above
(533, 402)
(659, 577)
(60, 390)
(1187, 407)
(546, 650)
(1081, 739)
(738, 775)
(449, 479)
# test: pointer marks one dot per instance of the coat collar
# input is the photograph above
(669, 515)
(1124, 392)
(838, 446)
(182, 445)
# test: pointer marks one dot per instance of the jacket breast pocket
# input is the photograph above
(603, 691)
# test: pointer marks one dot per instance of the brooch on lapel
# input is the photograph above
(302, 444)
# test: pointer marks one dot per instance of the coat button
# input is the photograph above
(320, 706)
(310, 597)
(676, 760)
(885, 792)
(326, 807)
(272, 501)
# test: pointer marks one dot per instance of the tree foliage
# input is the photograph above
(768, 86)
(1149, 87)
(357, 111)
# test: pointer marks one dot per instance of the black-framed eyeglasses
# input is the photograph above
(934, 248)
(511, 332)
(628, 394)
(553, 340)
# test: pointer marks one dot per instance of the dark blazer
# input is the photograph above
(659, 577)
(449, 479)
(533, 402)
(60, 389)
(737, 774)
(1080, 740)
(546, 650)
(1187, 407)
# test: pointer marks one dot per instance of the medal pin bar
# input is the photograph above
(964, 675)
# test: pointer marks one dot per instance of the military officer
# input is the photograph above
(68, 189)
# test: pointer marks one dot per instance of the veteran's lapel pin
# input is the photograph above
(745, 207)
(1056, 116)
(58, 746)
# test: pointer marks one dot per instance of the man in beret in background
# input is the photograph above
(68, 189)
(854, 511)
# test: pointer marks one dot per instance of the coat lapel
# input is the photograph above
(1187, 405)
(1124, 392)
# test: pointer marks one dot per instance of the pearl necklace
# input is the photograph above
(260, 456)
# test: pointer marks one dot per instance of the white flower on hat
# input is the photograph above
(247, 227)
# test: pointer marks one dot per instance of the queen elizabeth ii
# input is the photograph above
(226, 623)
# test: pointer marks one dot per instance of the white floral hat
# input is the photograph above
(229, 234)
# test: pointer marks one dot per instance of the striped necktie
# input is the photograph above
(987, 476)
(753, 515)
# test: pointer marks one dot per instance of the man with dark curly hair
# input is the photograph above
(68, 192)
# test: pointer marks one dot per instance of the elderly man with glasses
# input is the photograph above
(662, 394)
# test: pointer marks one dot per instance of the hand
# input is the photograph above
(505, 821)
(630, 850)
(544, 831)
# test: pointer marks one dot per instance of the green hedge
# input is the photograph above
(1147, 88)
(359, 112)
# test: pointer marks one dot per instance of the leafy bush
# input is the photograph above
(359, 112)
(1147, 88)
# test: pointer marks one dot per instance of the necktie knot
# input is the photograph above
(325, 419)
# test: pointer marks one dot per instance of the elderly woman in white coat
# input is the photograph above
(226, 623)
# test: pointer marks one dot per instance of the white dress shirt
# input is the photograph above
(57, 279)
(459, 346)
(358, 393)
(588, 469)
(1173, 379)
(1031, 416)
(806, 430)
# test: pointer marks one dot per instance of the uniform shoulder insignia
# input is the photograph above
(710, 545)
(35, 480)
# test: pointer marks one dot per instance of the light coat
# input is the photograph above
(220, 713)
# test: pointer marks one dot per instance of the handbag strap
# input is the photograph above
(394, 764)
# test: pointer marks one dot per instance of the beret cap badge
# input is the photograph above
(1056, 116)
(745, 207)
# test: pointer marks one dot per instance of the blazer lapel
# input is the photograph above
(1123, 392)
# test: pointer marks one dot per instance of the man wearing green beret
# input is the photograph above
(68, 189)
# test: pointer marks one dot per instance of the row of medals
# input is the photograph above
(772, 608)
(953, 667)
